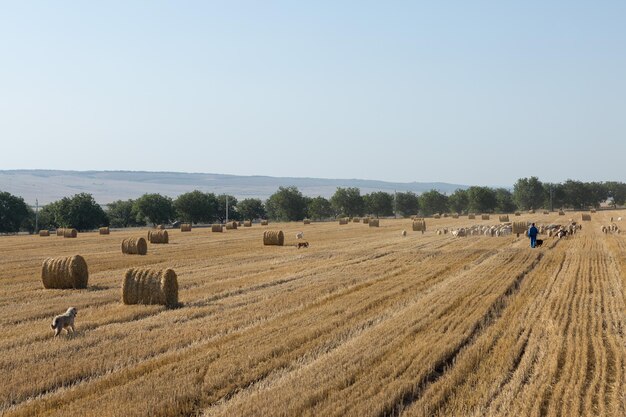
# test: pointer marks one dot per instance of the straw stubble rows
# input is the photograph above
(364, 322)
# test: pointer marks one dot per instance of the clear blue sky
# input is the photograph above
(469, 92)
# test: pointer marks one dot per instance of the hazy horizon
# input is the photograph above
(478, 94)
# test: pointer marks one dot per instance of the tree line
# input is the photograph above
(288, 204)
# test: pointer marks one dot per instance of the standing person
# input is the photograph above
(532, 234)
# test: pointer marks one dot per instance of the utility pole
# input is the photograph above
(36, 216)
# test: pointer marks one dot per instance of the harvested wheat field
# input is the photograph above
(365, 322)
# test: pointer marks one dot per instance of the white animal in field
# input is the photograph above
(64, 321)
(403, 233)
(300, 235)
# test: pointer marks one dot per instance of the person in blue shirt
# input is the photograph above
(532, 234)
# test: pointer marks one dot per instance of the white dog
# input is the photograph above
(64, 321)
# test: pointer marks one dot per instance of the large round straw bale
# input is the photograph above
(343, 220)
(517, 213)
(160, 227)
(520, 227)
(356, 220)
(546, 212)
(561, 213)
(104, 230)
(593, 210)
(586, 217)
(307, 221)
(70, 233)
(273, 237)
(531, 211)
(247, 223)
(185, 227)
(504, 218)
(44, 233)
(366, 220)
(65, 272)
(374, 222)
(436, 216)
(264, 222)
(471, 216)
(60, 231)
(217, 228)
(419, 225)
(484, 216)
(158, 236)
(150, 286)
(134, 246)
(231, 225)
(455, 215)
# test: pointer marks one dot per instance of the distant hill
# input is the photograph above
(108, 186)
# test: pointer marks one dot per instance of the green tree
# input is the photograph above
(616, 192)
(286, 204)
(196, 206)
(578, 194)
(458, 201)
(13, 212)
(251, 208)
(504, 201)
(233, 214)
(481, 199)
(528, 193)
(379, 203)
(319, 208)
(433, 202)
(80, 212)
(407, 203)
(555, 196)
(156, 208)
(348, 202)
(123, 213)
(47, 216)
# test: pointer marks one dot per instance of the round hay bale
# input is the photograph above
(520, 227)
(160, 227)
(484, 217)
(436, 216)
(586, 217)
(593, 210)
(307, 221)
(247, 223)
(150, 286)
(104, 230)
(343, 221)
(531, 211)
(60, 231)
(561, 213)
(134, 246)
(374, 222)
(185, 227)
(71, 233)
(356, 220)
(471, 216)
(65, 272)
(546, 212)
(504, 218)
(158, 236)
(43, 233)
(231, 225)
(273, 237)
(218, 228)
(366, 220)
(517, 213)
(264, 222)
(445, 214)
(419, 225)
(455, 215)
